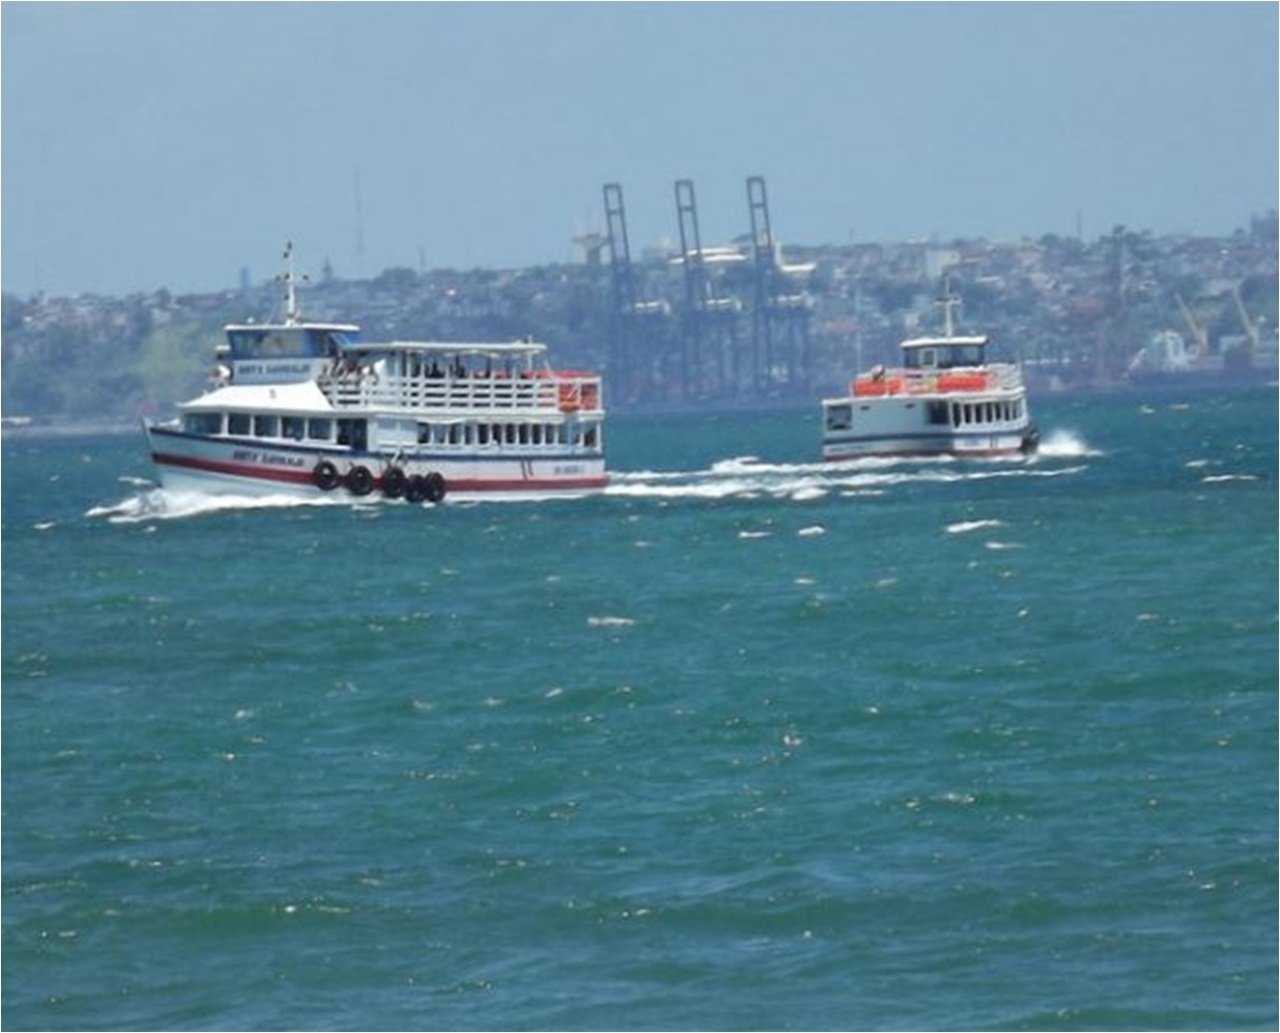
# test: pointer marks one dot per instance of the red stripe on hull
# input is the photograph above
(257, 473)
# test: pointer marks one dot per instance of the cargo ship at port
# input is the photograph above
(305, 407)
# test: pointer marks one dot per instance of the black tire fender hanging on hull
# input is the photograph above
(325, 476)
(394, 482)
(429, 487)
(359, 480)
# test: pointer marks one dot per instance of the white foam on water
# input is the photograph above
(1065, 444)
(740, 477)
(745, 477)
(164, 504)
(808, 493)
(966, 526)
(610, 622)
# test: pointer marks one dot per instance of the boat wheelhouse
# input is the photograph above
(945, 399)
(307, 407)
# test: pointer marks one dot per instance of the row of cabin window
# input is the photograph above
(353, 432)
(534, 434)
(258, 425)
(960, 414)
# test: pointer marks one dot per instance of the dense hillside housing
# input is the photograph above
(745, 330)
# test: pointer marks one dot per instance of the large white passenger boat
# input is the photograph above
(945, 399)
(304, 407)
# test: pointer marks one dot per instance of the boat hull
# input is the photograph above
(974, 446)
(221, 466)
(928, 423)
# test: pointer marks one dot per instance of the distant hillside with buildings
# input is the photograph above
(724, 326)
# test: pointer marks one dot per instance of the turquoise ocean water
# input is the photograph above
(745, 743)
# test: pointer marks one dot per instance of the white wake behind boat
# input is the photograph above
(304, 407)
(945, 399)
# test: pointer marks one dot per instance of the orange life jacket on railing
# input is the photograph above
(869, 387)
(962, 381)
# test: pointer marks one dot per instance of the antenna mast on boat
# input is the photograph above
(948, 301)
(292, 315)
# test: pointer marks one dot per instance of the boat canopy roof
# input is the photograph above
(341, 328)
(303, 397)
(511, 349)
(943, 342)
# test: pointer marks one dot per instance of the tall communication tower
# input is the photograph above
(1116, 354)
(359, 227)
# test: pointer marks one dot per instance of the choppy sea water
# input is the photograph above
(748, 742)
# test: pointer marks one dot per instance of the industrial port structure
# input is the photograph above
(682, 322)
(739, 326)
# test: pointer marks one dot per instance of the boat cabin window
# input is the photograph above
(292, 427)
(202, 423)
(839, 417)
(354, 434)
(961, 355)
(948, 356)
(938, 413)
(526, 435)
(266, 426)
(286, 342)
(320, 429)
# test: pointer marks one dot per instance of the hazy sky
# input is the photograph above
(157, 144)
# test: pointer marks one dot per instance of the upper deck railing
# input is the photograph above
(1000, 376)
(542, 392)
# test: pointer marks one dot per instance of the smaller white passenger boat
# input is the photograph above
(945, 399)
(305, 407)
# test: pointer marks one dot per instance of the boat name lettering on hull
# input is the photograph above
(244, 455)
(287, 370)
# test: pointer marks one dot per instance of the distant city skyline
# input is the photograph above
(160, 145)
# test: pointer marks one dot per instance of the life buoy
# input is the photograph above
(415, 490)
(570, 397)
(325, 476)
(435, 487)
(394, 482)
(359, 481)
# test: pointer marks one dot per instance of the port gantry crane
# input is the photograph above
(624, 285)
(640, 326)
(709, 318)
(778, 310)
